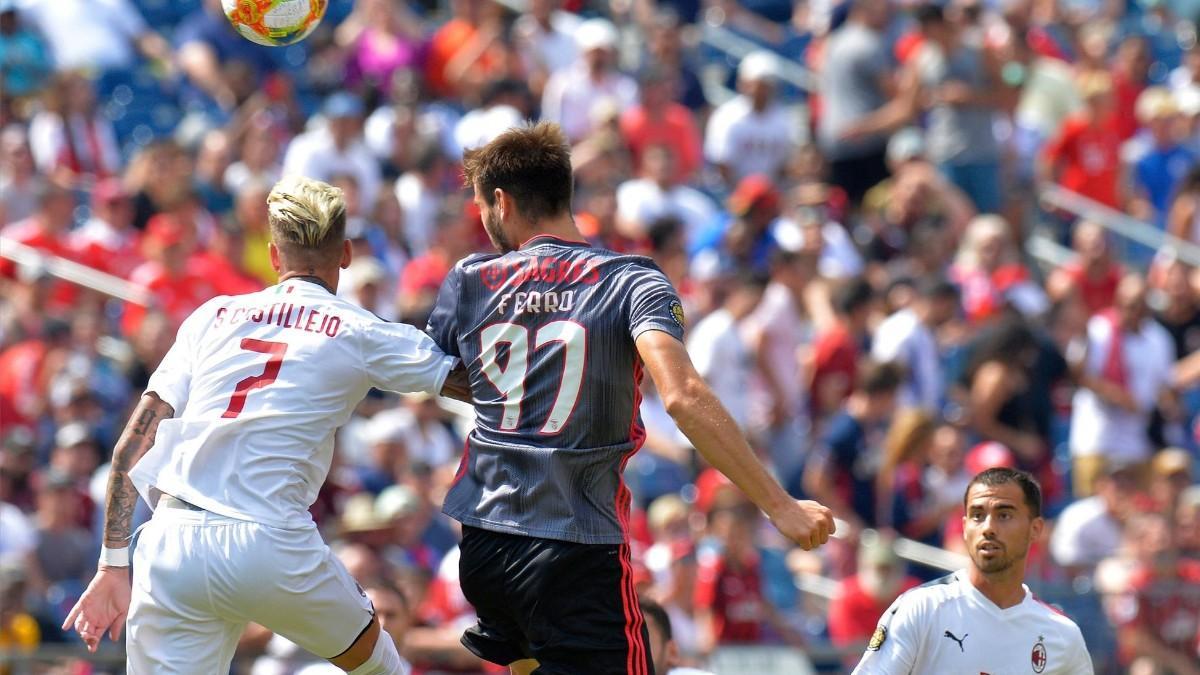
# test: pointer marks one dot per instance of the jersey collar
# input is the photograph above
(549, 238)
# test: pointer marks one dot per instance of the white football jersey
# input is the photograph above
(260, 383)
(948, 626)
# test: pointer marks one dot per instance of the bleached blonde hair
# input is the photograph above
(306, 214)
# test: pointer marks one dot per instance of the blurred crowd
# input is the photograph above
(844, 194)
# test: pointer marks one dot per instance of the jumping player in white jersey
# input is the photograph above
(231, 442)
(982, 619)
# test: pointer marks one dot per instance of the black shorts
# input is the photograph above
(570, 606)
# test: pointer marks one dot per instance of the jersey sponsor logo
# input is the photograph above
(957, 639)
(877, 638)
(501, 272)
(1038, 657)
(677, 312)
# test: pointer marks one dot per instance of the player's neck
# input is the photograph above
(321, 280)
(562, 227)
(1005, 589)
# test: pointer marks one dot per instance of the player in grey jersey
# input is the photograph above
(555, 336)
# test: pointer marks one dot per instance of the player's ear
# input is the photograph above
(1036, 527)
(347, 254)
(273, 254)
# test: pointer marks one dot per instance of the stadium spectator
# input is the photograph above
(909, 338)
(381, 37)
(47, 231)
(1093, 274)
(752, 133)
(24, 57)
(207, 50)
(861, 598)
(1123, 373)
(658, 120)
(744, 236)
(574, 96)
(834, 368)
(338, 148)
(19, 179)
(1158, 616)
(1084, 156)
(546, 41)
(719, 352)
(845, 466)
(659, 193)
(104, 35)
(966, 90)
(1165, 160)
(1090, 529)
(108, 240)
(857, 83)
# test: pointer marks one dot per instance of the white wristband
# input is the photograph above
(114, 557)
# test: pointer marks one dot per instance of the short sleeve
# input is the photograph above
(402, 359)
(653, 302)
(897, 639)
(443, 320)
(172, 380)
(1081, 659)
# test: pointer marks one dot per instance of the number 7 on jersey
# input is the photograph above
(276, 351)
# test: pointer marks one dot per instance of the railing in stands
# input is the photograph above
(714, 34)
(1131, 229)
(76, 273)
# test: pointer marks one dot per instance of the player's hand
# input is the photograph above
(805, 522)
(102, 608)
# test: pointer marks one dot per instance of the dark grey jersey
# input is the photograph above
(547, 335)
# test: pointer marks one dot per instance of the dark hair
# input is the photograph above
(1004, 341)
(653, 610)
(751, 280)
(880, 378)
(937, 288)
(532, 164)
(928, 14)
(999, 475)
(662, 230)
(853, 295)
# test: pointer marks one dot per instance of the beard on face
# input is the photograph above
(1005, 559)
(491, 224)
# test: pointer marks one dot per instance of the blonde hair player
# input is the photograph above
(230, 443)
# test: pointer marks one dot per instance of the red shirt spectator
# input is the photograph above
(835, 369)
(176, 290)
(661, 121)
(46, 231)
(1087, 154)
(1163, 605)
(1096, 292)
(108, 241)
(731, 588)
(854, 613)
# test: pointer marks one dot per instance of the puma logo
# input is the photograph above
(957, 639)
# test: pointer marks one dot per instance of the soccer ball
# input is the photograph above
(274, 23)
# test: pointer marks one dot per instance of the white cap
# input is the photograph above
(906, 144)
(596, 34)
(1188, 100)
(396, 501)
(760, 65)
(72, 434)
(389, 426)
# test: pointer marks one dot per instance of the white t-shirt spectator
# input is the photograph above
(777, 320)
(571, 97)
(551, 50)
(420, 206)
(92, 34)
(313, 154)
(478, 127)
(722, 359)
(903, 339)
(641, 201)
(1084, 534)
(1098, 428)
(18, 536)
(749, 142)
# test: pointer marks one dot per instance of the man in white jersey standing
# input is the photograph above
(982, 619)
(231, 442)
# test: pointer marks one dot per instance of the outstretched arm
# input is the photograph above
(709, 427)
(105, 604)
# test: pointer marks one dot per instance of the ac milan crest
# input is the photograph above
(1038, 657)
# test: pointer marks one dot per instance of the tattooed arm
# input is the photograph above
(134, 442)
(104, 605)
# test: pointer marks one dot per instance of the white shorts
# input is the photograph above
(199, 578)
